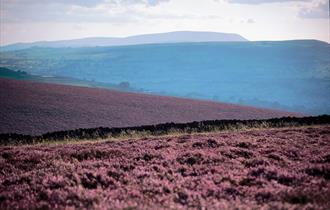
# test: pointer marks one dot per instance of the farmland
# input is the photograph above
(263, 168)
(36, 108)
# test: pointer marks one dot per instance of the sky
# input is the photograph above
(47, 20)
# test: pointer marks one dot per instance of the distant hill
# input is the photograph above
(170, 37)
(35, 108)
(285, 75)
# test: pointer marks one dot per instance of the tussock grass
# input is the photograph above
(114, 134)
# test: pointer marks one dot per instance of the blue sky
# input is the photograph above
(35, 20)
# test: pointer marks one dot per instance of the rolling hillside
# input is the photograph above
(36, 108)
(286, 75)
(22, 75)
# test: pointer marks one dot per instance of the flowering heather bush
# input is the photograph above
(270, 169)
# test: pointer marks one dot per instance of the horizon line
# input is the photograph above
(193, 31)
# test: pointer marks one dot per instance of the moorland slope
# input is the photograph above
(259, 169)
(35, 108)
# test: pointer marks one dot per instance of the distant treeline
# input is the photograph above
(161, 129)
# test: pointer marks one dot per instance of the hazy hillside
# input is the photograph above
(36, 108)
(170, 37)
(288, 75)
(22, 75)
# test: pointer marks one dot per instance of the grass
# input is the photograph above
(172, 129)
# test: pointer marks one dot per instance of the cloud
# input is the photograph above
(263, 1)
(247, 21)
(13, 3)
(145, 2)
(321, 10)
(89, 3)
(250, 20)
(72, 10)
(32, 20)
(85, 3)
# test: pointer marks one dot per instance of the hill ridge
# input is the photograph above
(153, 38)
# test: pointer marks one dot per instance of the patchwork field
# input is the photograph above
(36, 108)
(263, 168)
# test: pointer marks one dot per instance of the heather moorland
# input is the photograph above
(284, 168)
(164, 104)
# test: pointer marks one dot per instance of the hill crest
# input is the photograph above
(168, 37)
